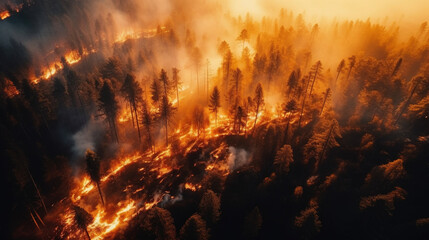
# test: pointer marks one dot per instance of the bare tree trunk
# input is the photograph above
(324, 102)
(137, 123)
(87, 234)
(99, 191)
(37, 190)
(406, 103)
(166, 132)
(325, 145)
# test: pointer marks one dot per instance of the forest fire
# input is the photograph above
(230, 120)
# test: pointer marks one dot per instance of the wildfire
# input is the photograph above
(71, 57)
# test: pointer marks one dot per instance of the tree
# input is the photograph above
(112, 70)
(237, 77)
(93, 169)
(352, 62)
(163, 78)
(226, 67)
(214, 103)
(82, 219)
(147, 122)
(308, 222)
(240, 115)
(315, 73)
(209, 207)
(176, 83)
(199, 119)
(283, 159)
(292, 83)
(132, 91)
(244, 36)
(258, 102)
(166, 112)
(339, 70)
(109, 106)
(196, 59)
(327, 94)
(155, 90)
(194, 229)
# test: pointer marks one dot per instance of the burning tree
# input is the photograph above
(315, 73)
(109, 107)
(93, 169)
(82, 219)
(214, 103)
(132, 91)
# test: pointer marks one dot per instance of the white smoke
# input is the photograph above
(237, 158)
(87, 137)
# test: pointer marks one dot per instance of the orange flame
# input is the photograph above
(5, 14)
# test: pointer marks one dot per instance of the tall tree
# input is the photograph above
(163, 78)
(214, 103)
(244, 36)
(155, 90)
(352, 62)
(176, 83)
(258, 102)
(93, 169)
(315, 73)
(327, 94)
(339, 70)
(147, 121)
(109, 106)
(82, 219)
(166, 112)
(132, 91)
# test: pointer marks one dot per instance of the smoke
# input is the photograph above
(237, 158)
(87, 138)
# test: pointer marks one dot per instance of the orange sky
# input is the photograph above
(404, 11)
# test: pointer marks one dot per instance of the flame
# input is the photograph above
(71, 57)
(132, 34)
(5, 14)
(192, 187)
(125, 115)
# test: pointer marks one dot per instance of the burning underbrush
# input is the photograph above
(137, 183)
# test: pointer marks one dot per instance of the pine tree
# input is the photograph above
(214, 103)
(93, 169)
(132, 91)
(109, 106)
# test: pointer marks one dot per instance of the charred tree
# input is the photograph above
(109, 107)
(214, 103)
(93, 169)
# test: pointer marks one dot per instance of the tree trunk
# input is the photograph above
(256, 118)
(324, 101)
(99, 191)
(87, 234)
(37, 190)
(406, 103)
(137, 123)
(166, 132)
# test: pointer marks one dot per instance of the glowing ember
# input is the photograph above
(192, 187)
(5, 14)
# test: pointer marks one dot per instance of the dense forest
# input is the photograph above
(182, 120)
